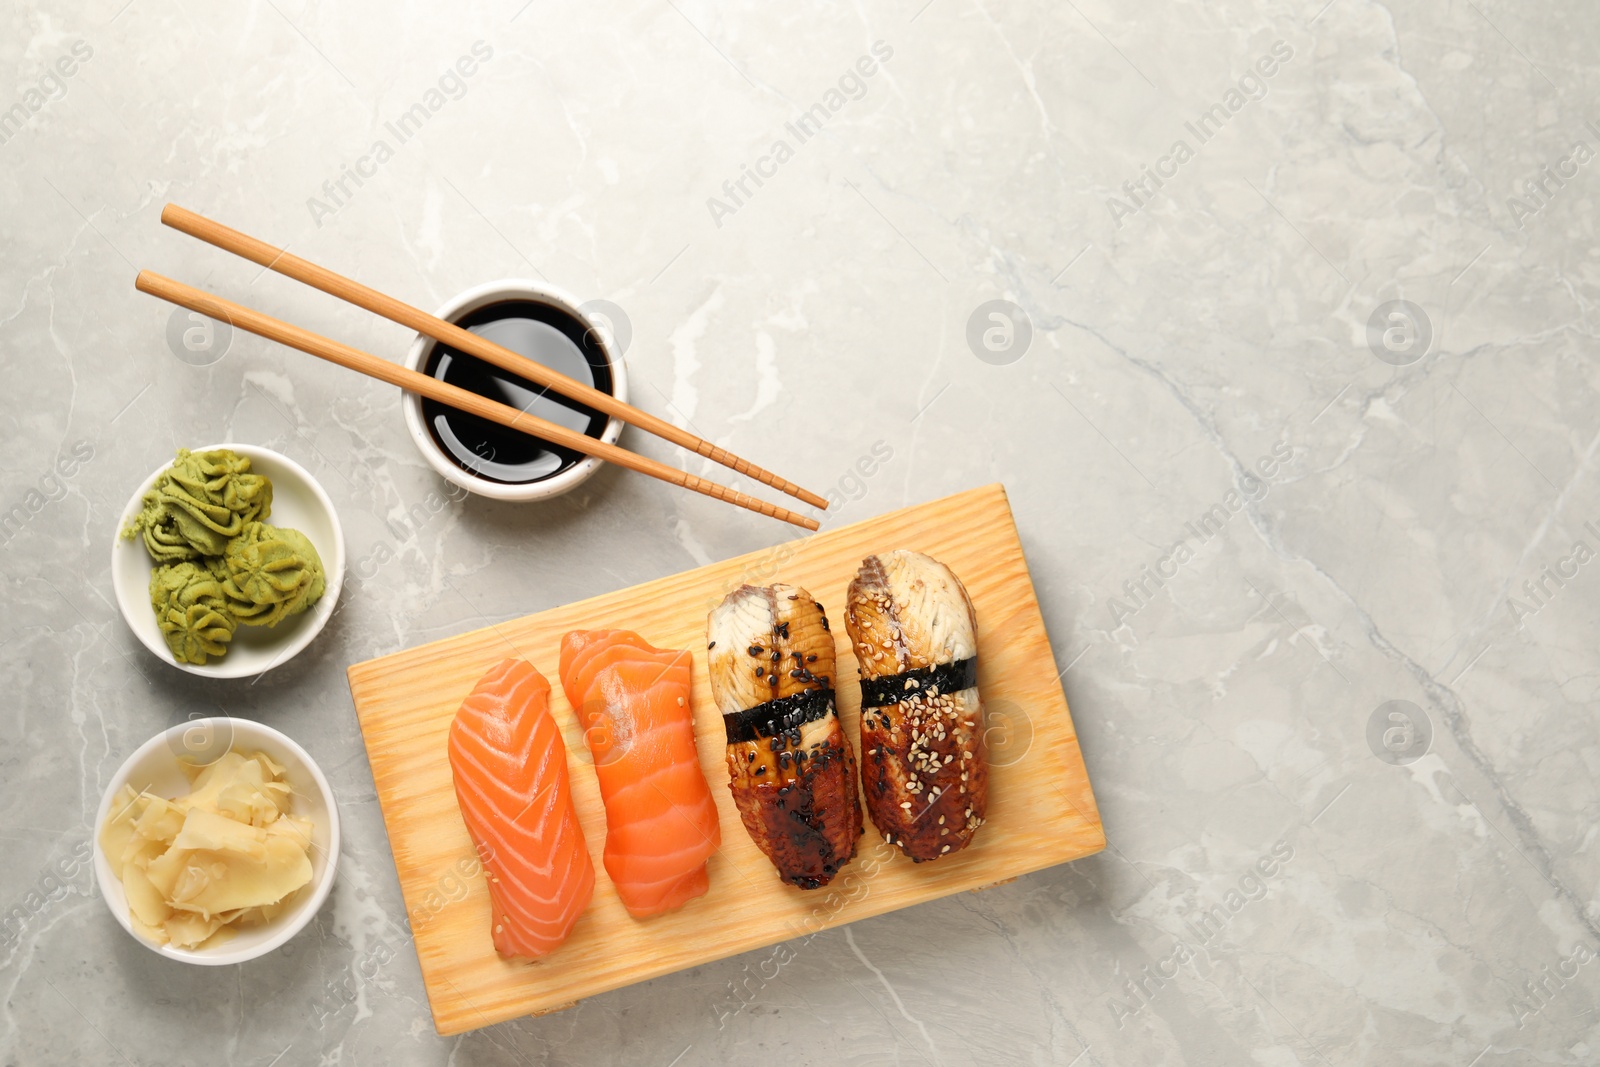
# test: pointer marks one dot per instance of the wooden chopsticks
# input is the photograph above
(454, 396)
(231, 240)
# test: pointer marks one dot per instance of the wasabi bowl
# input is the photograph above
(299, 502)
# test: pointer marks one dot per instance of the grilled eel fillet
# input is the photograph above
(791, 770)
(922, 754)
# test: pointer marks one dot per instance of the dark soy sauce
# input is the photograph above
(545, 335)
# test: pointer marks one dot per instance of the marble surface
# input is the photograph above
(1318, 566)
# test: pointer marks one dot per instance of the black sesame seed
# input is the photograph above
(811, 658)
(755, 650)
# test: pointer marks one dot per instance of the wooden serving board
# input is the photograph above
(1041, 809)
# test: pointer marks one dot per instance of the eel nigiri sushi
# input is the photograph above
(661, 822)
(510, 770)
(922, 755)
(792, 772)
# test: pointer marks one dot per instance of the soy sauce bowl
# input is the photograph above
(544, 324)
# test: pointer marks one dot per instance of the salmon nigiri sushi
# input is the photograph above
(510, 768)
(661, 823)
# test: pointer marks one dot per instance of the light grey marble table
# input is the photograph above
(1291, 381)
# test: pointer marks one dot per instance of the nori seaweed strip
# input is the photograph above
(893, 688)
(777, 716)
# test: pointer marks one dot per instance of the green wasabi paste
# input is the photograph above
(199, 504)
(191, 612)
(218, 563)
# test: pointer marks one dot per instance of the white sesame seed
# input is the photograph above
(943, 850)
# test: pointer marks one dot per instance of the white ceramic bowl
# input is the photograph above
(446, 466)
(299, 503)
(155, 767)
